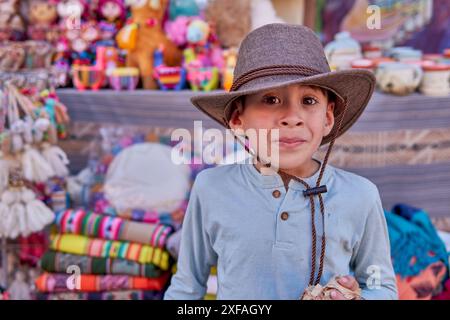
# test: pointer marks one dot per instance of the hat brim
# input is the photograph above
(354, 87)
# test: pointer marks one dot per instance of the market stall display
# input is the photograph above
(120, 239)
(136, 64)
(33, 170)
(189, 47)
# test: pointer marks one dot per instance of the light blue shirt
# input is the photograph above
(233, 220)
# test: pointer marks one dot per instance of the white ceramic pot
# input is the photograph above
(398, 78)
(436, 80)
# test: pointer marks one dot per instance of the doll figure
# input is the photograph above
(19, 289)
(112, 14)
(42, 15)
(111, 10)
(12, 26)
(203, 58)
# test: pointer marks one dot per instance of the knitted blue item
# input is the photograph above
(413, 237)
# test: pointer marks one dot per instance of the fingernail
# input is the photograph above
(344, 279)
(333, 294)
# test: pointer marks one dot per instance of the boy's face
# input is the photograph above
(302, 114)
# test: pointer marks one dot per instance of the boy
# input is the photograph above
(257, 222)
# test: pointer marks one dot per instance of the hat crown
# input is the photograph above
(280, 44)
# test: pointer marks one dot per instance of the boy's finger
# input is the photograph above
(336, 295)
(348, 282)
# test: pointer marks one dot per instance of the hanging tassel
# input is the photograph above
(28, 130)
(35, 167)
(17, 129)
(52, 134)
(18, 210)
(57, 159)
(4, 172)
(4, 210)
(10, 218)
(6, 143)
(62, 115)
(38, 215)
(40, 126)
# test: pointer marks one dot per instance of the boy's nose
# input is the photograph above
(291, 117)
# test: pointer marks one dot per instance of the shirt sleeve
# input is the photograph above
(372, 263)
(196, 255)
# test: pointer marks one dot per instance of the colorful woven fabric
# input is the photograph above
(414, 241)
(59, 282)
(57, 262)
(167, 217)
(93, 247)
(109, 295)
(423, 285)
(112, 228)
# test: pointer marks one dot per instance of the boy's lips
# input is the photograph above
(290, 142)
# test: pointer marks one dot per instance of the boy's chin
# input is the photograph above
(293, 162)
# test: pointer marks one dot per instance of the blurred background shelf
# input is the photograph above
(424, 185)
(173, 109)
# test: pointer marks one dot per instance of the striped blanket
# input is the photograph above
(57, 262)
(59, 282)
(112, 228)
(93, 247)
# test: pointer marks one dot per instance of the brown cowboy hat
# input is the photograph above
(277, 55)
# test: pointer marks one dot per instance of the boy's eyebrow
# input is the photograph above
(273, 91)
(315, 89)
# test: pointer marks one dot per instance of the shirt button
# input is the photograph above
(276, 194)
(284, 215)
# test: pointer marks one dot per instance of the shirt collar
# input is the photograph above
(275, 180)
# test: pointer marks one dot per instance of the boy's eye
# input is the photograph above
(271, 100)
(309, 101)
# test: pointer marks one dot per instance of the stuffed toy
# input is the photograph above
(203, 57)
(176, 30)
(12, 26)
(231, 19)
(42, 15)
(143, 35)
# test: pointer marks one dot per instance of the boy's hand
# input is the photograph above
(348, 282)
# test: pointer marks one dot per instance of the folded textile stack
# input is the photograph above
(135, 200)
(420, 258)
(110, 254)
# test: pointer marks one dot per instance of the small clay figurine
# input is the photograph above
(19, 289)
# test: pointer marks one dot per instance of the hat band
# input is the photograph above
(270, 71)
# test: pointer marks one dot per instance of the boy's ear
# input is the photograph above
(329, 124)
(235, 119)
